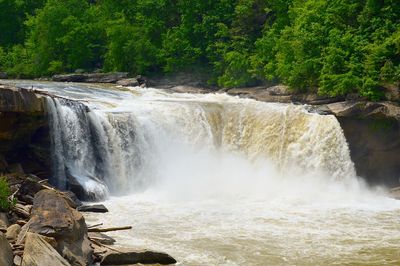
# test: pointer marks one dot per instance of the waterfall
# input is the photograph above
(126, 144)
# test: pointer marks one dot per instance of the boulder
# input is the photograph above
(52, 216)
(102, 238)
(39, 252)
(135, 257)
(12, 232)
(87, 188)
(132, 82)
(6, 254)
(100, 208)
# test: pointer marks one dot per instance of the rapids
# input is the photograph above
(217, 180)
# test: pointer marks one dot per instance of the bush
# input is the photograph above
(5, 193)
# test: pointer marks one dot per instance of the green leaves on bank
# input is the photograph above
(333, 47)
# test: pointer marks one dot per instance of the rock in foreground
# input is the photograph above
(53, 217)
(135, 257)
(38, 252)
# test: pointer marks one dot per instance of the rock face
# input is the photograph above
(92, 77)
(373, 133)
(53, 217)
(6, 255)
(135, 257)
(38, 252)
(24, 129)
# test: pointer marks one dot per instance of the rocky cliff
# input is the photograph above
(24, 141)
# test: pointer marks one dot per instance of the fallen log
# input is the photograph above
(102, 230)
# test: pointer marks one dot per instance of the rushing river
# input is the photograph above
(217, 180)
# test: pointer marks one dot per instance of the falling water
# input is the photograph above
(121, 149)
(217, 180)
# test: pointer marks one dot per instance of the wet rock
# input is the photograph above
(87, 188)
(102, 238)
(135, 257)
(53, 217)
(100, 208)
(91, 77)
(6, 255)
(132, 82)
(38, 252)
(12, 232)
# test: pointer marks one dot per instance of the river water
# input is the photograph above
(217, 180)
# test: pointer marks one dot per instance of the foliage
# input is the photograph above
(333, 47)
(5, 193)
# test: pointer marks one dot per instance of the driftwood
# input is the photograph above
(102, 230)
(95, 225)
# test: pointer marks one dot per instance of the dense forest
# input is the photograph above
(334, 47)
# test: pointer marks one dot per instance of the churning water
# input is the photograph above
(217, 180)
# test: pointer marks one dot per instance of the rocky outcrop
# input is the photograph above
(53, 217)
(373, 133)
(91, 77)
(135, 257)
(39, 252)
(6, 255)
(24, 130)
(281, 94)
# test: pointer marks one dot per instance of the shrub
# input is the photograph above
(5, 193)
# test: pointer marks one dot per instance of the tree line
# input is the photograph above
(334, 47)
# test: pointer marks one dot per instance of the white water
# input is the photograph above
(217, 180)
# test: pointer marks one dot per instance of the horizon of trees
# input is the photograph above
(333, 47)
